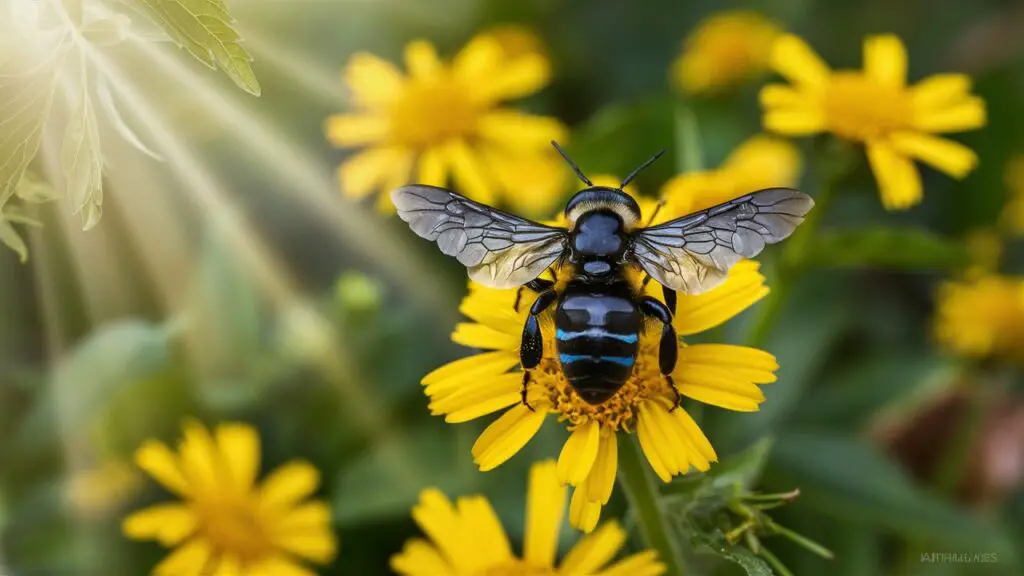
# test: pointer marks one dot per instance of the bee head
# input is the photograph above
(603, 198)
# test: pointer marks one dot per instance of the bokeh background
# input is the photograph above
(230, 280)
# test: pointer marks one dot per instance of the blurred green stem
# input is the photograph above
(641, 489)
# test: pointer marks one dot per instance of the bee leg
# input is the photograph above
(531, 350)
(537, 285)
(668, 347)
(647, 280)
(670, 299)
(679, 397)
(526, 384)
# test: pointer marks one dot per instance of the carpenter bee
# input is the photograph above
(599, 316)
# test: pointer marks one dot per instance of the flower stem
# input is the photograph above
(641, 490)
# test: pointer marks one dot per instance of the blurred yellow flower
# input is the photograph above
(758, 163)
(98, 490)
(445, 121)
(465, 538)
(225, 522)
(1012, 217)
(875, 107)
(722, 375)
(518, 40)
(726, 49)
(982, 317)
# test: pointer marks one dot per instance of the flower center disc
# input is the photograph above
(858, 108)
(428, 113)
(235, 527)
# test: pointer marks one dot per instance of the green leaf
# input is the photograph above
(107, 31)
(10, 238)
(204, 28)
(899, 248)
(28, 79)
(82, 161)
(851, 479)
(742, 469)
(34, 190)
(750, 562)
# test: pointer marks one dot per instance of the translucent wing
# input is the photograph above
(499, 249)
(693, 254)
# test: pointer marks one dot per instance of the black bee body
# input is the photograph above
(599, 316)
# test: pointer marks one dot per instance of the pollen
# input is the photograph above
(856, 107)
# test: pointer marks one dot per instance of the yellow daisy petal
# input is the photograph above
(469, 175)
(280, 565)
(898, 180)
(419, 558)
(761, 162)
(489, 538)
(545, 506)
(948, 156)
(474, 335)
(601, 480)
(940, 90)
(782, 96)
(240, 451)
(507, 435)
(742, 288)
(583, 513)
(157, 460)
(968, 114)
(432, 167)
(421, 60)
(436, 517)
(469, 369)
(794, 121)
(518, 131)
(366, 171)
(169, 524)
(579, 453)
(226, 565)
(289, 484)
(318, 546)
(484, 397)
(641, 564)
(595, 550)
(481, 56)
(198, 455)
(885, 60)
(793, 58)
(189, 558)
(373, 82)
(516, 79)
(344, 130)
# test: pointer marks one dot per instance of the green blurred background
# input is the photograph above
(232, 282)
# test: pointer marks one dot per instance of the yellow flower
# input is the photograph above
(225, 522)
(442, 121)
(518, 40)
(875, 107)
(722, 375)
(97, 490)
(465, 538)
(760, 162)
(725, 49)
(982, 317)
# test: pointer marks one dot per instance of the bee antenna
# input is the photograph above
(641, 167)
(575, 168)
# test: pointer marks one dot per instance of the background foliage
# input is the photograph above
(231, 281)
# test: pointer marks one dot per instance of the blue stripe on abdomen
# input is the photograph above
(595, 333)
(620, 360)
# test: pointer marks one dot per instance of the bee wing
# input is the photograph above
(693, 254)
(499, 249)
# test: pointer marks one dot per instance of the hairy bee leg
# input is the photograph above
(537, 285)
(668, 347)
(679, 397)
(526, 384)
(531, 349)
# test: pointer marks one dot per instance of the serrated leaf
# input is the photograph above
(82, 162)
(28, 79)
(107, 31)
(899, 248)
(204, 28)
(10, 238)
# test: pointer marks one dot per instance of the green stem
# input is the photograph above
(641, 489)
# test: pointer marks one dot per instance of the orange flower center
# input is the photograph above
(234, 526)
(858, 108)
(430, 112)
(517, 567)
(618, 412)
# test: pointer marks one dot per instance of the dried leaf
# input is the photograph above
(204, 28)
